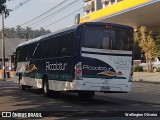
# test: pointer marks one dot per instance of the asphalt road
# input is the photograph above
(143, 98)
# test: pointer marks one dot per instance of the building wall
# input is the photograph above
(10, 47)
(94, 5)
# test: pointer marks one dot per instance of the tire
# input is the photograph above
(46, 91)
(21, 87)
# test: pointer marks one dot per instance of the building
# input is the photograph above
(10, 48)
(94, 5)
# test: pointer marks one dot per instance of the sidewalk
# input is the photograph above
(146, 77)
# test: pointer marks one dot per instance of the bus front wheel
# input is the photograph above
(46, 91)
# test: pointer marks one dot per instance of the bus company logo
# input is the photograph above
(31, 68)
(56, 66)
(97, 68)
(110, 73)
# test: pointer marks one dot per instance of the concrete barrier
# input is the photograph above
(146, 77)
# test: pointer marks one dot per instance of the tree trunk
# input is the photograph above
(149, 65)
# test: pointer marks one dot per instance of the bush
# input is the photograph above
(138, 69)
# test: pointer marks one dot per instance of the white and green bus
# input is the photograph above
(85, 58)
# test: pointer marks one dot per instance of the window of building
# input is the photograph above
(112, 1)
(119, 0)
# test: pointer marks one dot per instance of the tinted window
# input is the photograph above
(55, 46)
(48, 48)
(37, 51)
(31, 48)
(124, 40)
(51, 47)
(67, 44)
(107, 38)
(22, 53)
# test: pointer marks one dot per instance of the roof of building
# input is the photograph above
(128, 12)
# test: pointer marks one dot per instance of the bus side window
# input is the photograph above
(18, 55)
(58, 46)
(31, 50)
(22, 54)
(44, 49)
(67, 44)
(37, 52)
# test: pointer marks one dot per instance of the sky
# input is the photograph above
(34, 8)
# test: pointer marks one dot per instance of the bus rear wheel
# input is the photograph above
(46, 90)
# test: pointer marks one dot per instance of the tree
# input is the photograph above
(27, 33)
(158, 43)
(20, 31)
(147, 44)
(2, 6)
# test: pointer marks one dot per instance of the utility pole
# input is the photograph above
(3, 48)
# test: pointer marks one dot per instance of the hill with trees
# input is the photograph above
(22, 33)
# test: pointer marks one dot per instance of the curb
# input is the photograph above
(151, 82)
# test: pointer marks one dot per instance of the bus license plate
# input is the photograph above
(105, 88)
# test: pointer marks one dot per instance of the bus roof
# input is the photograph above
(66, 29)
(47, 35)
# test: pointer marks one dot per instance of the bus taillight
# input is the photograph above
(78, 71)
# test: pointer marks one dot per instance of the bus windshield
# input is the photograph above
(107, 38)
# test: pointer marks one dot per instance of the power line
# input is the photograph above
(50, 15)
(45, 12)
(21, 4)
(63, 18)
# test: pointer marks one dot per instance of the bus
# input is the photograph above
(86, 58)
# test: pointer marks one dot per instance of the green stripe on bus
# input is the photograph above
(50, 76)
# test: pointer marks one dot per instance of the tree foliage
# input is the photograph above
(147, 44)
(27, 33)
(158, 44)
(2, 6)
